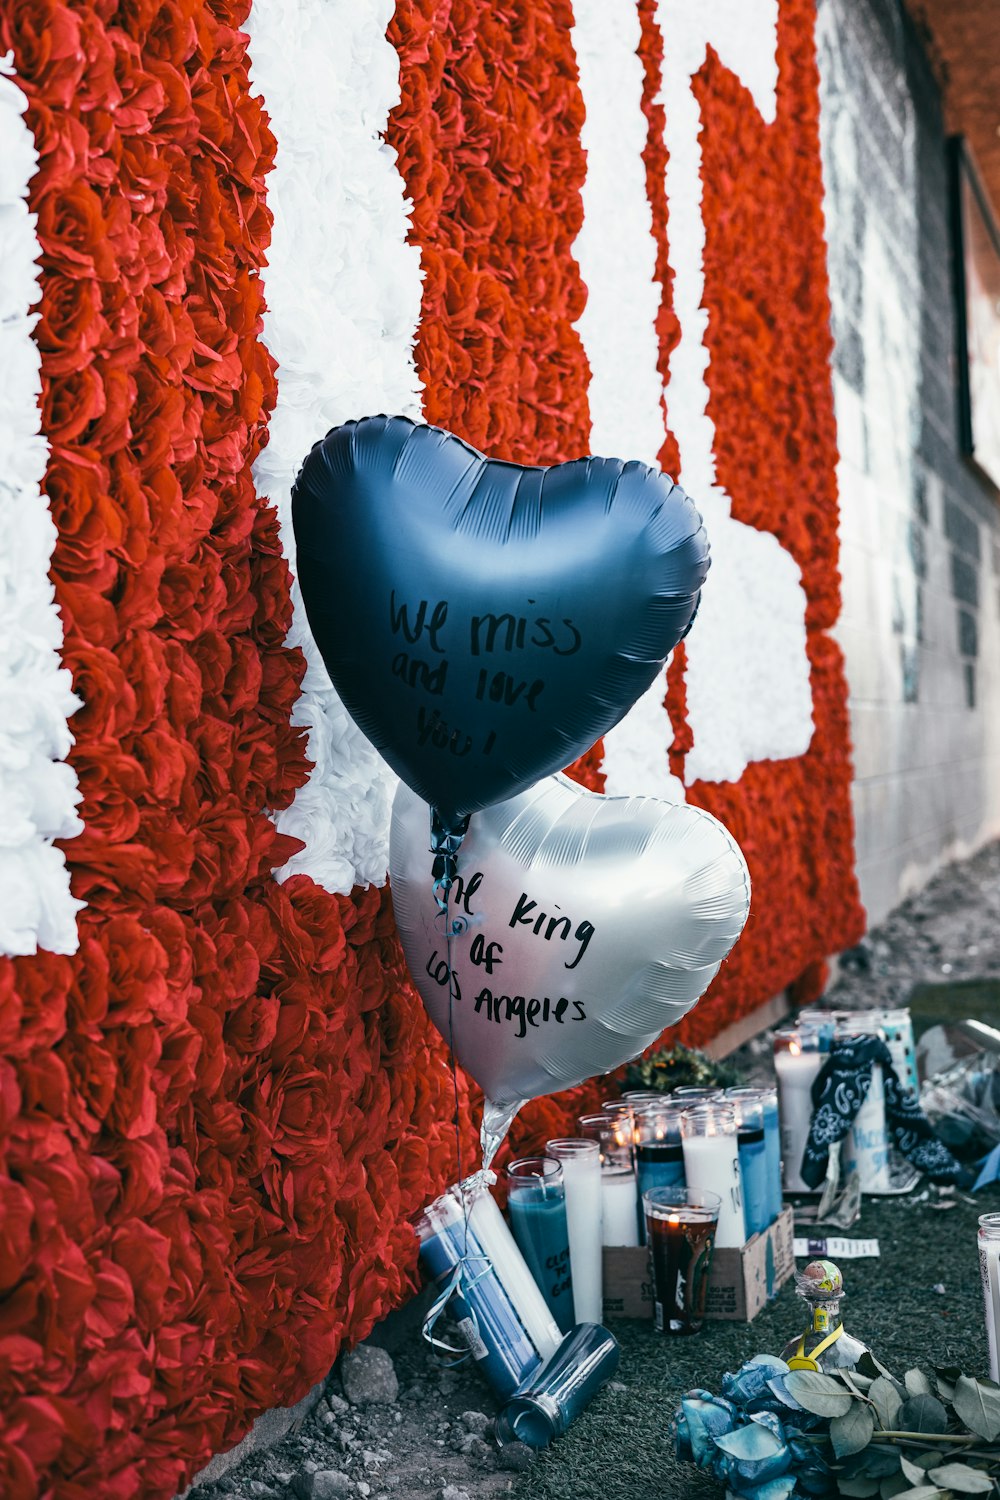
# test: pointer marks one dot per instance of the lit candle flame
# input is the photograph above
(674, 1219)
(794, 1048)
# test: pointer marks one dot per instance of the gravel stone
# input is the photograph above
(369, 1377)
(475, 1421)
(516, 1456)
(452, 1492)
(323, 1484)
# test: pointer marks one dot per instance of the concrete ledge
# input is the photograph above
(269, 1428)
(751, 1025)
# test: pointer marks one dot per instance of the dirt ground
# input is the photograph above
(920, 1300)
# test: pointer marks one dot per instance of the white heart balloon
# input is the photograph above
(586, 926)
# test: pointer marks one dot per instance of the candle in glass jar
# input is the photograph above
(798, 1059)
(680, 1227)
(752, 1149)
(581, 1164)
(613, 1135)
(711, 1164)
(536, 1200)
(865, 1148)
(989, 1265)
(658, 1149)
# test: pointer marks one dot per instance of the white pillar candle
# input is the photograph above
(618, 1207)
(712, 1163)
(865, 1148)
(581, 1164)
(989, 1265)
(796, 1071)
(490, 1229)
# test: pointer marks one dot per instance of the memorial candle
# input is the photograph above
(483, 1312)
(488, 1224)
(581, 1164)
(536, 1199)
(711, 1163)
(680, 1227)
(989, 1265)
(620, 1224)
(865, 1148)
(798, 1057)
(752, 1149)
(659, 1154)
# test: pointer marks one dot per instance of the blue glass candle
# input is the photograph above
(659, 1154)
(753, 1158)
(555, 1395)
(482, 1309)
(536, 1201)
(768, 1100)
(772, 1152)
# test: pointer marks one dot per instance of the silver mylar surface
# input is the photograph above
(603, 920)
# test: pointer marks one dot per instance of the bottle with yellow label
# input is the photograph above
(824, 1345)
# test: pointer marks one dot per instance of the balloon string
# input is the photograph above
(460, 1276)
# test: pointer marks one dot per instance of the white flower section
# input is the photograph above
(616, 252)
(748, 691)
(343, 297)
(38, 793)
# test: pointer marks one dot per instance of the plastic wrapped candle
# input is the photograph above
(490, 1228)
(618, 1184)
(536, 1199)
(484, 1313)
(711, 1164)
(581, 1164)
(798, 1056)
(752, 1149)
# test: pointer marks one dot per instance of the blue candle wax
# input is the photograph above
(482, 1310)
(753, 1178)
(538, 1223)
(772, 1154)
(659, 1164)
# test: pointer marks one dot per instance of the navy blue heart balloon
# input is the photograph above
(483, 622)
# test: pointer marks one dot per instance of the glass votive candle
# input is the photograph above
(711, 1163)
(681, 1228)
(799, 1054)
(618, 1183)
(989, 1265)
(623, 1114)
(865, 1148)
(642, 1096)
(752, 1152)
(536, 1201)
(772, 1142)
(581, 1167)
(692, 1095)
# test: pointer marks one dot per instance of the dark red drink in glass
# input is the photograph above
(680, 1229)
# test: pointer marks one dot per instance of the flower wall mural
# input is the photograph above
(229, 228)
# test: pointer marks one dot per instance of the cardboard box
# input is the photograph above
(738, 1280)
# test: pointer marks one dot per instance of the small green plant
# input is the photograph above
(670, 1068)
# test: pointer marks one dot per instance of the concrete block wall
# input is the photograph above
(920, 532)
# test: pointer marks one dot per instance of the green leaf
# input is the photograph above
(859, 1384)
(892, 1484)
(863, 1486)
(978, 1405)
(922, 1492)
(818, 1393)
(876, 1461)
(887, 1402)
(872, 1367)
(913, 1472)
(916, 1383)
(963, 1478)
(853, 1431)
(945, 1377)
(922, 1414)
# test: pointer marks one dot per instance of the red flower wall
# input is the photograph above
(216, 1118)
